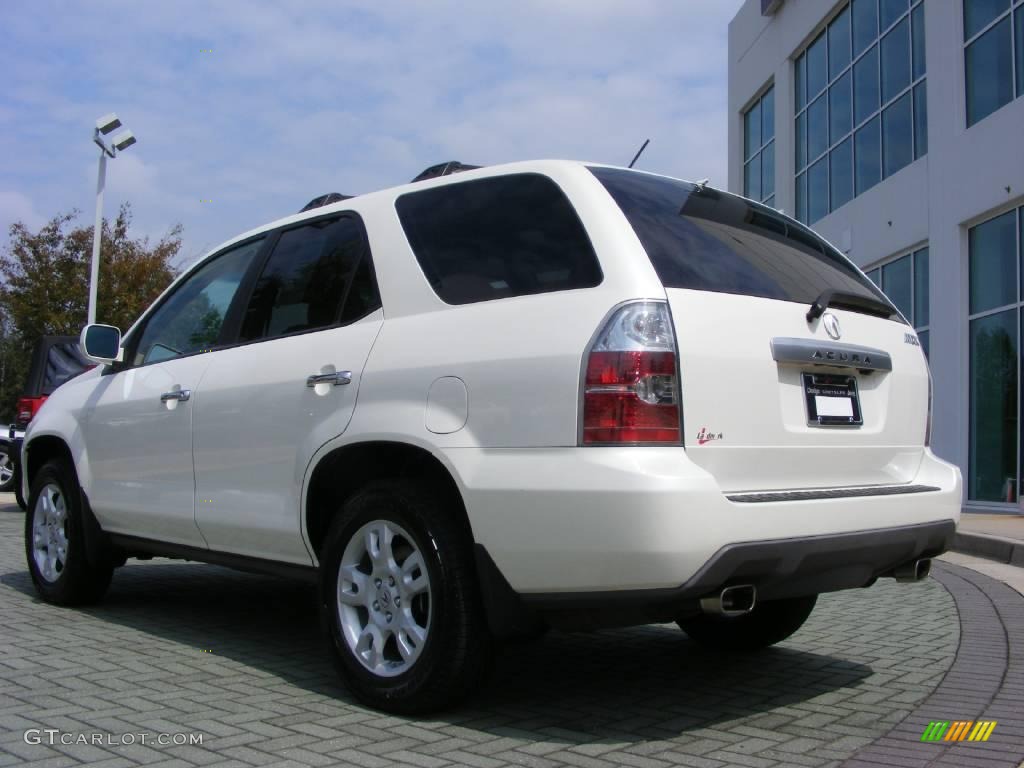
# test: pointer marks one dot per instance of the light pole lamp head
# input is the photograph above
(108, 123)
(123, 140)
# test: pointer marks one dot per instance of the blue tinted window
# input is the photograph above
(817, 190)
(897, 135)
(989, 72)
(768, 171)
(752, 178)
(865, 24)
(801, 141)
(841, 173)
(993, 262)
(979, 13)
(840, 108)
(768, 116)
(817, 127)
(895, 60)
(752, 130)
(890, 10)
(896, 282)
(1019, 27)
(839, 43)
(800, 81)
(917, 32)
(865, 85)
(868, 155)
(920, 120)
(817, 67)
(801, 198)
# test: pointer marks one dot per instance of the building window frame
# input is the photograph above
(915, 90)
(759, 150)
(1016, 307)
(1015, 13)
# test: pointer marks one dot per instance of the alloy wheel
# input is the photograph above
(49, 532)
(384, 598)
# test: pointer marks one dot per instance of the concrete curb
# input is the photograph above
(1010, 551)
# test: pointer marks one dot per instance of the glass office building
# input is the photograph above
(861, 119)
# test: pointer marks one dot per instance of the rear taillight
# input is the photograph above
(26, 409)
(631, 384)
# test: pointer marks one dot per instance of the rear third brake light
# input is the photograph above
(630, 386)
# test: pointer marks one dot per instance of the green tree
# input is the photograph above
(44, 285)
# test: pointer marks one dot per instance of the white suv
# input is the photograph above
(544, 394)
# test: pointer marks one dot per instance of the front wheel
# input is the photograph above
(403, 613)
(770, 622)
(55, 540)
(7, 474)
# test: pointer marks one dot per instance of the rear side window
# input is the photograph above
(309, 275)
(64, 361)
(710, 241)
(499, 237)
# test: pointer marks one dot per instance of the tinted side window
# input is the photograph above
(499, 237)
(304, 283)
(190, 319)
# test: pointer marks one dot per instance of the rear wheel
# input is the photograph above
(55, 540)
(400, 600)
(769, 623)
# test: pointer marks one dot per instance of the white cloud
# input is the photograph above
(297, 99)
(16, 207)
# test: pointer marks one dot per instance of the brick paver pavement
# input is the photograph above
(189, 648)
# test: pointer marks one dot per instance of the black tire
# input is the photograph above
(78, 581)
(17, 488)
(769, 623)
(6, 460)
(456, 655)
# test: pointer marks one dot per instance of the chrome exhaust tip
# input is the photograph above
(731, 601)
(915, 570)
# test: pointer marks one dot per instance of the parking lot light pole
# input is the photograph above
(122, 141)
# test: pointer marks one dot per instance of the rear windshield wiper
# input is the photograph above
(848, 300)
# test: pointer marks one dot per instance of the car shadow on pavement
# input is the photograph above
(626, 685)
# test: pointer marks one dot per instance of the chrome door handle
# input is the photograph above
(181, 395)
(341, 377)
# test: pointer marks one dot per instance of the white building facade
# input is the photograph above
(895, 128)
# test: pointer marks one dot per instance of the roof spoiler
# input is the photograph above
(444, 169)
(330, 197)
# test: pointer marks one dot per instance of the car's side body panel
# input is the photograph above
(257, 426)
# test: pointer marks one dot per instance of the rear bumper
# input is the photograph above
(609, 520)
(778, 569)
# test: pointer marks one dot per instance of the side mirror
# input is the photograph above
(101, 343)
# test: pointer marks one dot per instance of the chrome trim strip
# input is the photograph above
(829, 493)
(811, 352)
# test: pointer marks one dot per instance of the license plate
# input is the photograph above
(832, 400)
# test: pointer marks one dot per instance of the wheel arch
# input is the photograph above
(343, 471)
(42, 449)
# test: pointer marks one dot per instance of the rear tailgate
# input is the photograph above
(771, 399)
(746, 415)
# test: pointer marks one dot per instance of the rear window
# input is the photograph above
(63, 362)
(707, 240)
(498, 237)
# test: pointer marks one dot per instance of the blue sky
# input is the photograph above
(297, 99)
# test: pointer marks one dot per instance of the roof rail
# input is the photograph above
(444, 169)
(330, 197)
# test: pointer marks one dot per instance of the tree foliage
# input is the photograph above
(44, 285)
